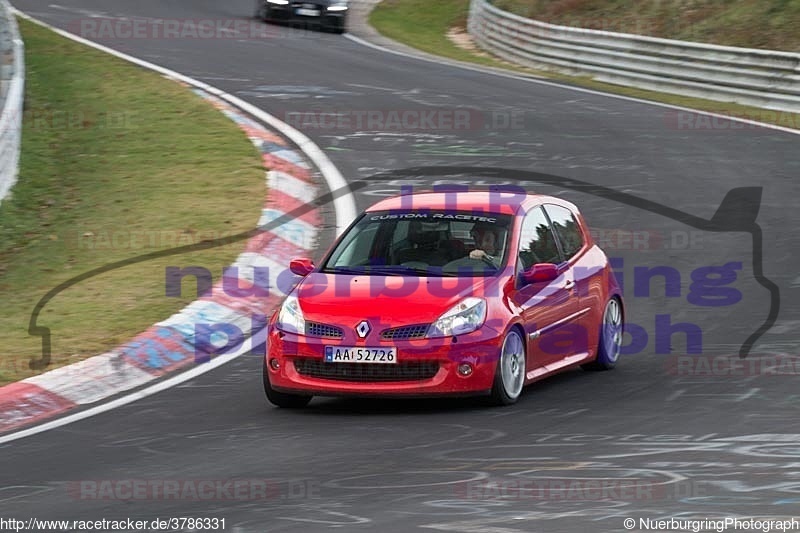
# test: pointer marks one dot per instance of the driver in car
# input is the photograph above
(487, 244)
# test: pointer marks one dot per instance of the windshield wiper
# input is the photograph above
(431, 271)
(355, 270)
(388, 270)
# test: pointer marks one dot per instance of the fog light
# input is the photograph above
(464, 369)
(274, 364)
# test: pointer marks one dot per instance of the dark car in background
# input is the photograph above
(328, 14)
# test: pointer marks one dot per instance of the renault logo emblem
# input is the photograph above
(362, 329)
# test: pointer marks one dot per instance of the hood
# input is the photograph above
(389, 301)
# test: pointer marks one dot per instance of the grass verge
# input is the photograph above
(425, 26)
(767, 24)
(116, 162)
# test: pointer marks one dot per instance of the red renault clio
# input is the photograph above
(447, 293)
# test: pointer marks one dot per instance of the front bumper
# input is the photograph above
(288, 13)
(425, 367)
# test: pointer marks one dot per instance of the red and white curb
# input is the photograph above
(170, 345)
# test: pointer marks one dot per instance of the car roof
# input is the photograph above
(508, 201)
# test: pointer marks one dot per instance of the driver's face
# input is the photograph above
(487, 242)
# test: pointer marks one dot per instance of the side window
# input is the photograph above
(537, 242)
(567, 229)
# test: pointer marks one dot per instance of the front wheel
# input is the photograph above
(510, 374)
(609, 343)
(282, 399)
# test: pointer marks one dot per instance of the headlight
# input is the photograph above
(290, 317)
(464, 317)
(279, 2)
(337, 6)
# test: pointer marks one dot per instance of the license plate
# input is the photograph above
(307, 12)
(347, 354)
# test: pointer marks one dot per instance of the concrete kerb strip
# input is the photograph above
(168, 346)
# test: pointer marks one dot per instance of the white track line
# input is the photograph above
(456, 64)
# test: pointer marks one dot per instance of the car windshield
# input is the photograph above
(423, 243)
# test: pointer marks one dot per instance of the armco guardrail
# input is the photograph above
(761, 78)
(12, 89)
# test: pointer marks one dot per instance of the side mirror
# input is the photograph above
(301, 266)
(540, 272)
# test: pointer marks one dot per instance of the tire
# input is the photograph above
(282, 399)
(509, 377)
(609, 342)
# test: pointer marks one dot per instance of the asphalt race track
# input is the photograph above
(660, 437)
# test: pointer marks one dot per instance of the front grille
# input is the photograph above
(410, 371)
(315, 329)
(405, 332)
